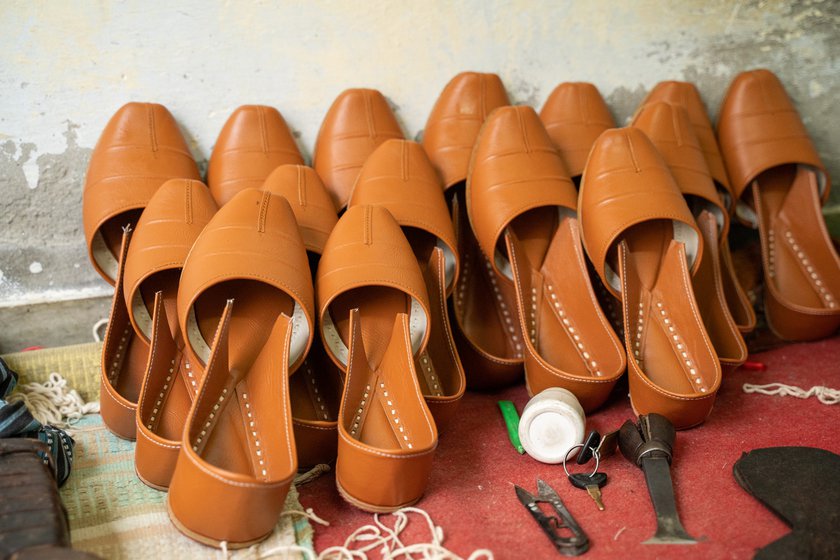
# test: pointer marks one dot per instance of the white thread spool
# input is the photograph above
(551, 424)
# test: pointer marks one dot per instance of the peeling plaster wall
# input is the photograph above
(65, 67)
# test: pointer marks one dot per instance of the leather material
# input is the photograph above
(369, 262)
(737, 299)
(358, 121)
(685, 95)
(245, 304)
(759, 129)
(441, 373)
(775, 476)
(31, 513)
(653, 436)
(167, 230)
(387, 437)
(635, 221)
(172, 221)
(237, 458)
(768, 153)
(670, 130)
(711, 299)
(399, 177)
(485, 335)
(660, 376)
(568, 340)
(316, 389)
(310, 202)
(519, 189)
(253, 142)
(250, 251)
(488, 334)
(574, 116)
(515, 168)
(316, 397)
(169, 387)
(375, 319)
(123, 361)
(629, 173)
(455, 120)
(140, 148)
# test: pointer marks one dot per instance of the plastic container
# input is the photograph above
(551, 423)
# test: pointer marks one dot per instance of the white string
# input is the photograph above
(825, 395)
(98, 325)
(309, 514)
(52, 401)
(366, 538)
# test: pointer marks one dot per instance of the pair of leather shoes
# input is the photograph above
(256, 149)
(779, 183)
(483, 305)
(382, 286)
(666, 118)
(246, 304)
(524, 296)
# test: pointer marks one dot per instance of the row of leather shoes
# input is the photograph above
(211, 349)
(651, 217)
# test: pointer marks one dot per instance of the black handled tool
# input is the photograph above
(553, 525)
(649, 445)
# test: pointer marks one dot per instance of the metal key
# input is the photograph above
(591, 483)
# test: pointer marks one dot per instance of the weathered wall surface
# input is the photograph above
(66, 67)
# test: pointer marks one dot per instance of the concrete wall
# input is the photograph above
(65, 67)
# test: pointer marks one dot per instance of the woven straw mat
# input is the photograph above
(113, 514)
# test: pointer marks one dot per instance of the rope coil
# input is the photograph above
(366, 538)
(53, 402)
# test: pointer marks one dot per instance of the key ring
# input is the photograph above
(594, 454)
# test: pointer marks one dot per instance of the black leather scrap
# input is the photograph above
(801, 485)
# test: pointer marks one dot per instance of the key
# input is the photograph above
(592, 484)
(589, 445)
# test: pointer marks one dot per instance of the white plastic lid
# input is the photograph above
(551, 424)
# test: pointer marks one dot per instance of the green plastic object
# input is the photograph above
(512, 422)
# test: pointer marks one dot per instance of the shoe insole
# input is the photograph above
(112, 232)
(256, 308)
(663, 329)
(800, 258)
(569, 330)
(711, 299)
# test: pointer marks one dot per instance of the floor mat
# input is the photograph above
(471, 494)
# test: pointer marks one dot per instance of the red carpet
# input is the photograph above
(471, 495)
